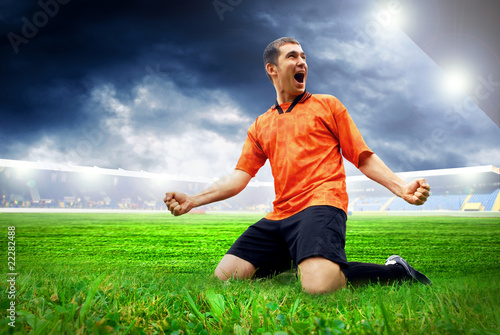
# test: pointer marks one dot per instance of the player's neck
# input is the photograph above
(284, 97)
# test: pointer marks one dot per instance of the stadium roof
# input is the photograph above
(254, 183)
(112, 172)
(439, 172)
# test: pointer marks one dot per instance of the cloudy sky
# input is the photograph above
(172, 86)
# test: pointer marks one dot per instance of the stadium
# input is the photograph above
(174, 85)
(37, 185)
(93, 250)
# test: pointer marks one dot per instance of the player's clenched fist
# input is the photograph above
(178, 203)
(416, 192)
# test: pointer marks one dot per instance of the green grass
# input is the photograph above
(152, 274)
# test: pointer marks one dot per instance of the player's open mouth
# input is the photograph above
(299, 77)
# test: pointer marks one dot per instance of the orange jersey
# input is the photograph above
(305, 146)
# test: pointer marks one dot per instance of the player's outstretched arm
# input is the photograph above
(415, 193)
(179, 203)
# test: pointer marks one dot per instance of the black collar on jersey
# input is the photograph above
(299, 99)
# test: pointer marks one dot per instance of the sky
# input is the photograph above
(172, 86)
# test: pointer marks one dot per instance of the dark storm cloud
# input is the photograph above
(47, 77)
(120, 83)
(109, 40)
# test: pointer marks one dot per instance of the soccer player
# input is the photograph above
(304, 136)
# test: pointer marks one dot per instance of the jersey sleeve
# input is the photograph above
(252, 156)
(350, 139)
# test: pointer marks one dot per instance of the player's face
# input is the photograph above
(291, 69)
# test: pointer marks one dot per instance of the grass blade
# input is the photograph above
(88, 301)
(193, 306)
(216, 302)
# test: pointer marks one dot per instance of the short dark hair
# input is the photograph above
(272, 51)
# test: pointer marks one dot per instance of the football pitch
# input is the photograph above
(152, 274)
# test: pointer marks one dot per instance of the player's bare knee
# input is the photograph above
(321, 284)
(234, 267)
(319, 276)
(235, 274)
(221, 274)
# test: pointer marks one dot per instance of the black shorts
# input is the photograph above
(274, 246)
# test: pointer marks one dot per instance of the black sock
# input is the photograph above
(363, 273)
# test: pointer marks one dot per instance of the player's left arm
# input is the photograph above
(415, 192)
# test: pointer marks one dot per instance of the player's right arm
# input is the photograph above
(180, 203)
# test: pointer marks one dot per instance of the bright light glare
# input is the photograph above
(390, 16)
(24, 172)
(90, 174)
(456, 82)
(400, 19)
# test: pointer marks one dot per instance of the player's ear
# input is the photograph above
(271, 70)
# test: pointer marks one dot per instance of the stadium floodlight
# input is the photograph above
(400, 17)
(456, 81)
(90, 174)
(25, 172)
(390, 15)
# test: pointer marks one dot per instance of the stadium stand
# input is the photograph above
(40, 185)
(485, 199)
(460, 189)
